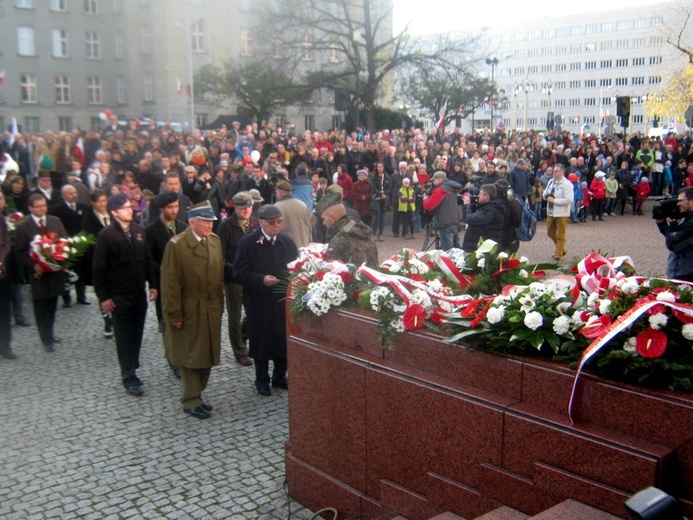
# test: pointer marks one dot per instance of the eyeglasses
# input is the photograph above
(125, 207)
(274, 221)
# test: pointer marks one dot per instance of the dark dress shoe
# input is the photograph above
(176, 372)
(198, 412)
(67, 305)
(281, 383)
(84, 302)
(22, 323)
(264, 390)
(207, 407)
(244, 361)
(8, 354)
(135, 390)
(56, 339)
(49, 348)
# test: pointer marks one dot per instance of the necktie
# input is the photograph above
(73, 206)
(128, 235)
(42, 225)
(105, 221)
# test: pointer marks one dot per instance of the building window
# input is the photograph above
(58, 5)
(605, 46)
(608, 26)
(561, 67)
(656, 40)
(246, 43)
(62, 90)
(575, 66)
(29, 89)
(202, 119)
(93, 50)
(574, 102)
(575, 84)
(562, 49)
(606, 64)
(637, 119)
(606, 101)
(545, 69)
(65, 124)
(118, 6)
(121, 90)
(590, 83)
(94, 91)
(638, 42)
(640, 23)
(333, 54)
(24, 4)
(575, 30)
(337, 122)
(277, 50)
(638, 62)
(91, 6)
(590, 120)
(59, 43)
(605, 82)
(561, 31)
(532, 121)
(575, 49)
(590, 65)
(590, 102)
(119, 48)
(146, 39)
(95, 123)
(621, 82)
(559, 103)
(624, 25)
(519, 71)
(656, 21)
(31, 125)
(620, 63)
(655, 80)
(307, 52)
(559, 85)
(590, 47)
(149, 88)
(655, 60)
(197, 36)
(309, 122)
(638, 80)
(621, 44)
(25, 41)
(533, 69)
(592, 28)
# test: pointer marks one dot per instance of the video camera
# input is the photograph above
(667, 208)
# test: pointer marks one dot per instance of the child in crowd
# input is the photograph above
(406, 208)
(611, 189)
(641, 193)
(586, 199)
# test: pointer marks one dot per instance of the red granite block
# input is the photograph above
(316, 490)
(375, 509)
(528, 440)
(457, 362)
(575, 511)
(516, 491)
(503, 513)
(327, 428)
(684, 486)
(414, 428)
(457, 497)
(585, 490)
(413, 505)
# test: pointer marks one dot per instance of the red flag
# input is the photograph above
(2, 77)
(179, 86)
(443, 112)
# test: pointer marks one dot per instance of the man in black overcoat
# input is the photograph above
(260, 265)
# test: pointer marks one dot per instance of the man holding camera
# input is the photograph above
(678, 230)
(559, 194)
(486, 221)
(442, 202)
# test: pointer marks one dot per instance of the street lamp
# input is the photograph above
(188, 33)
(548, 89)
(601, 101)
(527, 87)
(493, 62)
(516, 91)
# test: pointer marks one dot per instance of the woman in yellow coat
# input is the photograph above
(192, 291)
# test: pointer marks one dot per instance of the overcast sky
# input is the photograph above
(455, 15)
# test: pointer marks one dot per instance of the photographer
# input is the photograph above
(486, 221)
(442, 202)
(677, 227)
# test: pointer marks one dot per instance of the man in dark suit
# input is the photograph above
(260, 263)
(5, 287)
(49, 285)
(44, 187)
(172, 183)
(123, 266)
(71, 213)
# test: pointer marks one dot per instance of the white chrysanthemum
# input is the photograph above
(422, 298)
(658, 320)
(481, 263)
(398, 325)
(604, 306)
(591, 300)
(561, 325)
(629, 345)
(533, 320)
(630, 286)
(523, 273)
(503, 255)
(435, 285)
(417, 266)
(666, 296)
(495, 314)
(394, 267)
(380, 297)
(687, 331)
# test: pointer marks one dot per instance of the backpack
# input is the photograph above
(528, 224)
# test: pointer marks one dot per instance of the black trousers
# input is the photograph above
(44, 314)
(128, 326)
(5, 316)
(262, 371)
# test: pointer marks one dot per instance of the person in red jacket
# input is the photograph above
(642, 190)
(598, 189)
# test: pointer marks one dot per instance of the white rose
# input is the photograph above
(495, 314)
(687, 331)
(534, 320)
(524, 260)
(561, 325)
(523, 273)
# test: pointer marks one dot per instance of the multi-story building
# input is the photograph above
(576, 66)
(63, 63)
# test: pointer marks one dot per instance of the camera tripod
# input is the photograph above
(432, 239)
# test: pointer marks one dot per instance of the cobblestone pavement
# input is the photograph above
(73, 444)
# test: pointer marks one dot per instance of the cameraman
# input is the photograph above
(442, 202)
(679, 238)
(487, 221)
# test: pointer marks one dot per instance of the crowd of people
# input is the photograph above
(148, 191)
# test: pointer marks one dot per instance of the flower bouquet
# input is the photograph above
(12, 220)
(54, 254)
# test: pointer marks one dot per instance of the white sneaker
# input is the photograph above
(612, 215)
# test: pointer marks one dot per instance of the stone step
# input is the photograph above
(503, 513)
(447, 516)
(575, 511)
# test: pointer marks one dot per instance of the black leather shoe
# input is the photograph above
(176, 372)
(281, 383)
(198, 412)
(56, 339)
(207, 407)
(49, 348)
(84, 302)
(67, 305)
(264, 390)
(244, 361)
(8, 354)
(135, 390)
(22, 323)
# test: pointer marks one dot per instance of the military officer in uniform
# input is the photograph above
(192, 290)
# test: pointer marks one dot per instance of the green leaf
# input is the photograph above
(464, 334)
